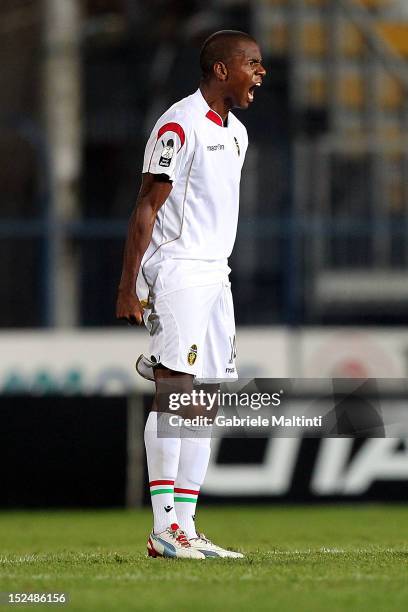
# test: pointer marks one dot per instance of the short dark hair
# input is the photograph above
(218, 47)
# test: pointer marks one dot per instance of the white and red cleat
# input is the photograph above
(172, 543)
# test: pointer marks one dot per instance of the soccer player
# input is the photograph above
(175, 273)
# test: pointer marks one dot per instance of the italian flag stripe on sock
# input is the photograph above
(185, 495)
(158, 487)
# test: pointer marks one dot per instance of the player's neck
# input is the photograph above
(215, 100)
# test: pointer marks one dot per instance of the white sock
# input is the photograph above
(162, 462)
(194, 458)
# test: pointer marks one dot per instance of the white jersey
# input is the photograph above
(195, 229)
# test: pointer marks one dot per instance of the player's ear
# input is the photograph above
(220, 71)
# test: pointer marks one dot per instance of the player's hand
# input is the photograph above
(128, 307)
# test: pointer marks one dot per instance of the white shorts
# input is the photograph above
(193, 331)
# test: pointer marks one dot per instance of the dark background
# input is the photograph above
(72, 452)
(137, 58)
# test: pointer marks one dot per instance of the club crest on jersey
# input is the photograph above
(192, 354)
(167, 153)
(237, 145)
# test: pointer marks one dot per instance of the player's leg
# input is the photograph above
(188, 314)
(194, 457)
(162, 455)
(218, 364)
(163, 450)
(178, 325)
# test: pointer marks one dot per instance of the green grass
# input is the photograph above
(298, 558)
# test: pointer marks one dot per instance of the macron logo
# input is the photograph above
(217, 147)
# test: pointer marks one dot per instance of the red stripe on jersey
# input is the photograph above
(153, 483)
(213, 116)
(176, 490)
(172, 127)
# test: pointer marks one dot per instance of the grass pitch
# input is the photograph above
(298, 558)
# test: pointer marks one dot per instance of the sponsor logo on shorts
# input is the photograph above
(237, 145)
(192, 354)
(229, 370)
(167, 153)
(217, 147)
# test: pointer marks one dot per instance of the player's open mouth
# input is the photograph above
(251, 92)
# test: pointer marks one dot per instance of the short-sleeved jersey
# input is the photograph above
(195, 229)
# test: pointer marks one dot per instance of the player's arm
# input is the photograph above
(153, 193)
